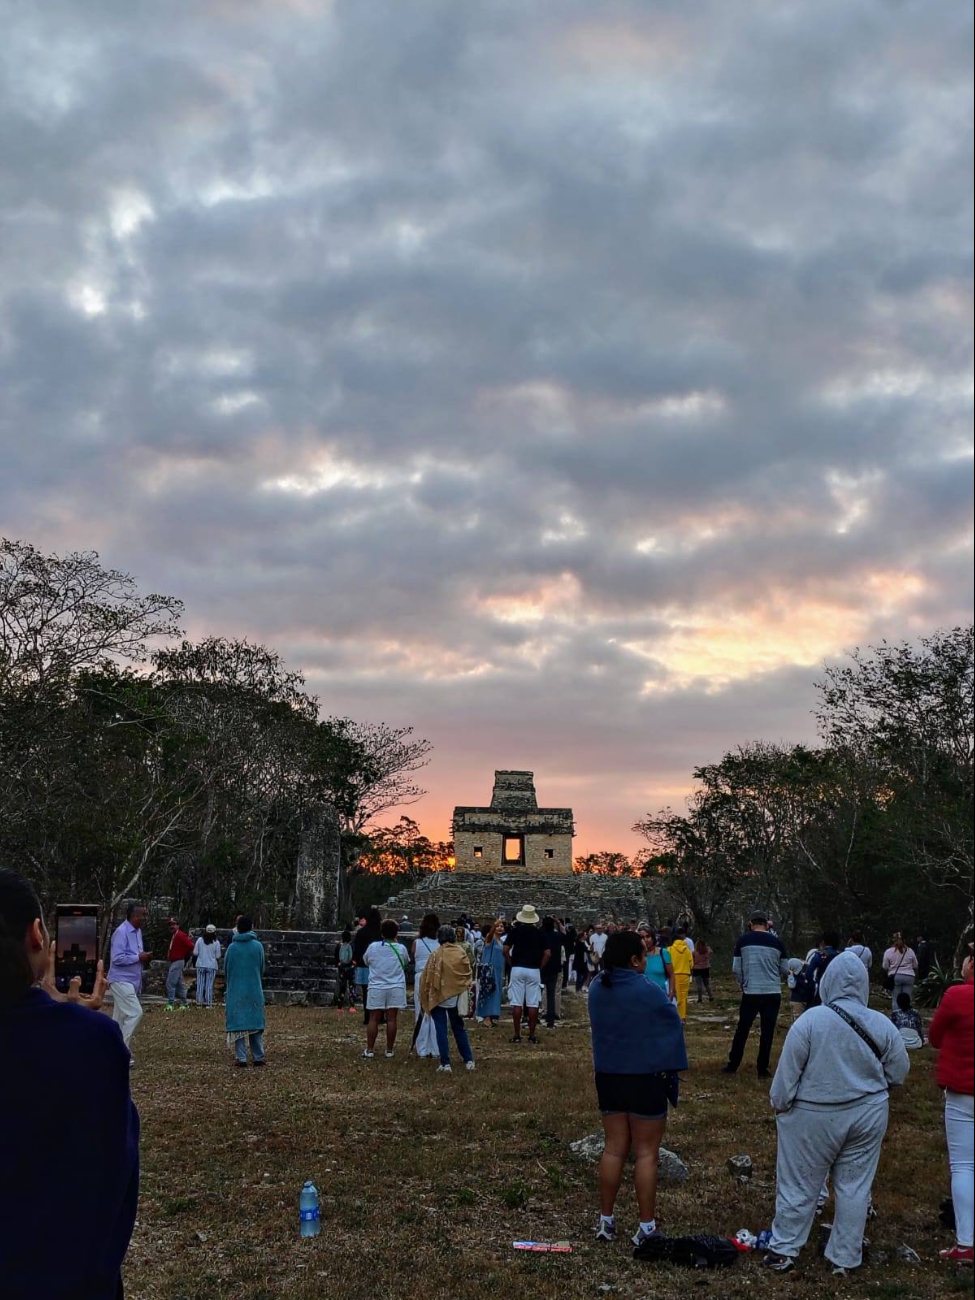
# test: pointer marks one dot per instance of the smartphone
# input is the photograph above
(75, 944)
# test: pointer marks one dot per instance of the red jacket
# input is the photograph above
(180, 946)
(953, 1031)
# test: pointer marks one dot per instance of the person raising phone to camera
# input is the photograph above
(69, 1133)
(125, 972)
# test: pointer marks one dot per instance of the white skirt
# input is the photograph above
(426, 1039)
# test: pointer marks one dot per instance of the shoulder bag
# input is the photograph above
(859, 1030)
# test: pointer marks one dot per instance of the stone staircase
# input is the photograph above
(482, 896)
(300, 965)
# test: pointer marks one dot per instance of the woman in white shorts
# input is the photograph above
(386, 992)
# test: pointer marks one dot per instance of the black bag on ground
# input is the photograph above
(700, 1250)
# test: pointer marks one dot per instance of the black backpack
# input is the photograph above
(698, 1251)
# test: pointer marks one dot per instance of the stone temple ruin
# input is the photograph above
(513, 852)
(508, 853)
(513, 833)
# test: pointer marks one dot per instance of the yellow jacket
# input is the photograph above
(681, 957)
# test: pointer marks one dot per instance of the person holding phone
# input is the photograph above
(125, 972)
(67, 1123)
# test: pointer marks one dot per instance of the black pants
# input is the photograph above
(702, 979)
(765, 1006)
(551, 983)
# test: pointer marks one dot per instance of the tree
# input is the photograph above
(906, 712)
(699, 854)
(62, 614)
(403, 850)
(604, 863)
(188, 771)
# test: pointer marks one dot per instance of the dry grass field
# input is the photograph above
(427, 1179)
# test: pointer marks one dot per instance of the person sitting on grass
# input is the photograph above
(243, 969)
(907, 1020)
(66, 1121)
(638, 1048)
(386, 961)
(446, 977)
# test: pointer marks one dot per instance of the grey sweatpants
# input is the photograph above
(813, 1140)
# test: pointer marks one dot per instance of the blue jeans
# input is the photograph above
(441, 1015)
(175, 988)
(257, 1048)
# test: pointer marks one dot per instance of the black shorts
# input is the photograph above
(641, 1095)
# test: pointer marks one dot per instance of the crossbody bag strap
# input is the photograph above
(402, 963)
(859, 1030)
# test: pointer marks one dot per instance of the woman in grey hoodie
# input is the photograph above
(830, 1100)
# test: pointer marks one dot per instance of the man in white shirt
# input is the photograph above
(598, 940)
(859, 948)
(386, 991)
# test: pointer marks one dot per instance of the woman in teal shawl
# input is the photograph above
(490, 975)
(243, 968)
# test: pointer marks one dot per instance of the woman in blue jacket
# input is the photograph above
(637, 1048)
(243, 970)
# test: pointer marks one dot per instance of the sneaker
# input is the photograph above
(839, 1271)
(729, 1069)
(444, 1069)
(764, 1074)
(389, 1055)
(368, 1055)
(606, 1231)
(469, 1065)
(958, 1255)
(183, 1007)
(779, 1263)
(639, 1237)
(170, 1007)
(871, 1212)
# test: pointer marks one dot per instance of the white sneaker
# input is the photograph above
(606, 1231)
(469, 1065)
(444, 1069)
(640, 1236)
(368, 1055)
(388, 1055)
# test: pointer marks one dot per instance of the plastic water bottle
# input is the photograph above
(311, 1223)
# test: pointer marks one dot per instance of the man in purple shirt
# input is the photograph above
(125, 972)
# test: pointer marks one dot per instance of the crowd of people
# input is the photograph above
(829, 1091)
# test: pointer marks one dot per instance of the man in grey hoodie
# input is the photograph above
(830, 1100)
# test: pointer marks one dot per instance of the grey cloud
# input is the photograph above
(502, 293)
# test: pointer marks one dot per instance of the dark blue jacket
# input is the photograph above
(635, 1029)
(69, 1151)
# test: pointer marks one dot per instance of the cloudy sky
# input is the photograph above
(568, 380)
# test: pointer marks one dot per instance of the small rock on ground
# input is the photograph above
(672, 1168)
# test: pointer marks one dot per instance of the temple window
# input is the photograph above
(513, 852)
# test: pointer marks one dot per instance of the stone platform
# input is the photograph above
(583, 898)
(299, 969)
